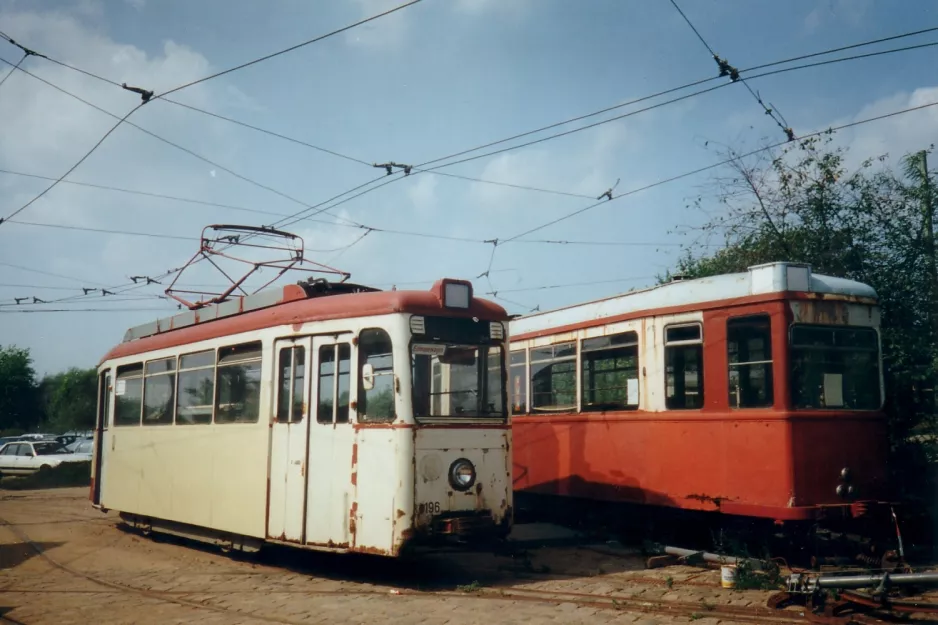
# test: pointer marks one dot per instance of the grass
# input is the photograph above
(66, 475)
(473, 587)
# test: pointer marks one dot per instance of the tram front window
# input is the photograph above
(454, 381)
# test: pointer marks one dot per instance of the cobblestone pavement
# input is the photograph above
(63, 562)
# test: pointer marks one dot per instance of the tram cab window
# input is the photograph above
(195, 397)
(683, 355)
(291, 371)
(332, 386)
(238, 396)
(835, 367)
(749, 352)
(518, 374)
(553, 378)
(129, 394)
(610, 372)
(159, 384)
(376, 378)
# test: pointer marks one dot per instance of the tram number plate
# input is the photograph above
(431, 507)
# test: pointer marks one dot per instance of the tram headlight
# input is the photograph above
(462, 475)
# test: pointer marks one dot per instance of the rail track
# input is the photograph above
(204, 599)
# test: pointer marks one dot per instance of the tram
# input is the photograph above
(322, 415)
(756, 395)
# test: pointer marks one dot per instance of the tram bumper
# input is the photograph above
(462, 491)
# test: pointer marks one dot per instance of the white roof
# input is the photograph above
(758, 280)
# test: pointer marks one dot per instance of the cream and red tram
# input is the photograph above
(339, 418)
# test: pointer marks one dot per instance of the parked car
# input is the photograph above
(9, 439)
(25, 457)
(81, 446)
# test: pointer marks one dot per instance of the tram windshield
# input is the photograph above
(453, 381)
(835, 367)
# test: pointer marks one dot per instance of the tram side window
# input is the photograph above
(610, 372)
(330, 386)
(518, 372)
(292, 373)
(749, 351)
(129, 394)
(835, 367)
(553, 378)
(683, 354)
(159, 382)
(237, 398)
(195, 395)
(377, 403)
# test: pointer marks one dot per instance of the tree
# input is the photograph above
(19, 409)
(870, 224)
(70, 399)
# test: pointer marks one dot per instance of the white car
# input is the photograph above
(25, 457)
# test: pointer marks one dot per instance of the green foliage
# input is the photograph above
(866, 223)
(70, 400)
(18, 390)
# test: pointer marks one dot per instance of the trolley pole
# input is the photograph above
(928, 213)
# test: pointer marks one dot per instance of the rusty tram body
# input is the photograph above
(326, 416)
(756, 395)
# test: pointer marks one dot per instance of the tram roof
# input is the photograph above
(760, 280)
(294, 304)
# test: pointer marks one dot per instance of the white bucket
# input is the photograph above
(728, 576)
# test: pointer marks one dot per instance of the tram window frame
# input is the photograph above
(129, 375)
(539, 364)
(234, 355)
(746, 395)
(159, 370)
(190, 366)
(291, 410)
(518, 379)
(385, 370)
(676, 352)
(332, 413)
(610, 348)
(845, 367)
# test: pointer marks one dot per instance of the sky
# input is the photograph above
(428, 81)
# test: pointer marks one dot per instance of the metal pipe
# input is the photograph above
(712, 557)
(871, 581)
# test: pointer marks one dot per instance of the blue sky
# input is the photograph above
(431, 80)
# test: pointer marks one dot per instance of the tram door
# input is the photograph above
(330, 444)
(289, 441)
(101, 424)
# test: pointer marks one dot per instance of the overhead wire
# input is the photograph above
(728, 70)
(664, 181)
(291, 48)
(418, 169)
(148, 95)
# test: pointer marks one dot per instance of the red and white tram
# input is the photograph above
(326, 416)
(756, 394)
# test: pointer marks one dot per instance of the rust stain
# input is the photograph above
(297, 327)
(354, 478)
(707, 499)
(372, 550)
(354, 454)
(400, 513)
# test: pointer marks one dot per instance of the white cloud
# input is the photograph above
(137, 4)
(478, 7)
(422, 192)
(848, 12)
(389, 31)
(895, 136)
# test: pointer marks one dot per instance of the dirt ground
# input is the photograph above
(63, 562)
